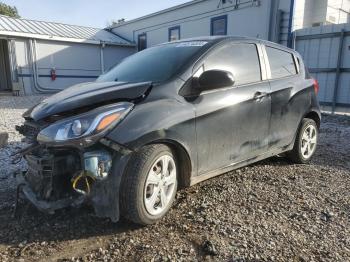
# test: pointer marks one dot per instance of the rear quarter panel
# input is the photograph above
(291, 101)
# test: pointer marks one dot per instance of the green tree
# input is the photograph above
(8, 10)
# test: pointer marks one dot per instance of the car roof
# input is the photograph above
(217, 39)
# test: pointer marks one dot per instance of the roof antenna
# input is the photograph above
(222, 2)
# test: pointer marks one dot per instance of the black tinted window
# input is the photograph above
(281, 63)
(174, 33)
(219, 25)
(240, 59)
(142, 42)
(154, 64)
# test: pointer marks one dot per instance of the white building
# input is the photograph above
(267, 19)
(37, 57)
(311, 13)
(254, 18)
(45, 57)
(324, 50)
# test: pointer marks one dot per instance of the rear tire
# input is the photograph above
(305, 143)
(149, 185)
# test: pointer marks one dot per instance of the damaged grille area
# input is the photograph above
(49, 173)
(64, 174)
(29, 130)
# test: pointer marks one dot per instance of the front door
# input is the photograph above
(232, 124)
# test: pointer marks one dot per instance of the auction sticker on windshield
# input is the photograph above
(193, 43)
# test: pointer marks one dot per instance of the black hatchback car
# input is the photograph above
(172, 115)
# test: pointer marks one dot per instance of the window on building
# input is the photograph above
(281, 63)
(219, 25)
(142, 42)
(174, 33)
(317, 24)
(241, 60)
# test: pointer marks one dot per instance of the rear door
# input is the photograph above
(289, 98)
(232, 124)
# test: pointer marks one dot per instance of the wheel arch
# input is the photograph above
(314, 116)
(182, 156)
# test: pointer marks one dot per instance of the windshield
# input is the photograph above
(156, 64)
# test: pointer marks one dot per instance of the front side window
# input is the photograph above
(281, 63)
(142, 42)
(174, 33)
(219, 25)
(155, 64)
(240, 59)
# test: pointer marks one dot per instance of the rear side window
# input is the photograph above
(281, 63)
(240, 59)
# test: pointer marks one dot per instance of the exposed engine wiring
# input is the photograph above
(85, 176)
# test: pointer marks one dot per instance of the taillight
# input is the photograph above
(316, 86)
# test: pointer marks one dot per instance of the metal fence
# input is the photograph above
(326, 52)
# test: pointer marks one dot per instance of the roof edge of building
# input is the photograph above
(62, 39)
(51, 22)
(109, 30)
(170, 9)
(61, 32)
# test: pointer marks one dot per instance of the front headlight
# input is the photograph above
(87, 125)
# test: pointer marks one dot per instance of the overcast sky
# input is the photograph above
(88, 12)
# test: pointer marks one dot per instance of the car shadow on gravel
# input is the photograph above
(300, 208)
(33, 226)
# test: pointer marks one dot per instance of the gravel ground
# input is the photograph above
(273, 210)
(11, 110)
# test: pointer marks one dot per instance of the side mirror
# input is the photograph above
(214, 79)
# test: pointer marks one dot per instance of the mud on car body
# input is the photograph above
(171, 115)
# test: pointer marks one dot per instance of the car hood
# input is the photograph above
(86, 95)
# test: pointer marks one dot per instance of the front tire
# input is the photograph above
(149, 185)
(305, 143)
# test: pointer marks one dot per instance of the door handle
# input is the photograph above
(259, 95)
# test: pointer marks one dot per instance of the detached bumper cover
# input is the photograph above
(104, 196)
(46, 206)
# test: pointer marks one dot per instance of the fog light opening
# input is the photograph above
(98, 164)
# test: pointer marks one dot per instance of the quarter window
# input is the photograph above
(281, 63)
(142, 42)
(240, 59)
(219, 25)
(174, 33)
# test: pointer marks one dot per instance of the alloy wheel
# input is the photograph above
(309, 141)
(160, 185)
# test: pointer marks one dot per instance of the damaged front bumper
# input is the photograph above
(45, 206)
(61, 177)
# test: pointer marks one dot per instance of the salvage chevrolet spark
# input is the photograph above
(172, 115)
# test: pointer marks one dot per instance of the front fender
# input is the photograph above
(159, 120)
